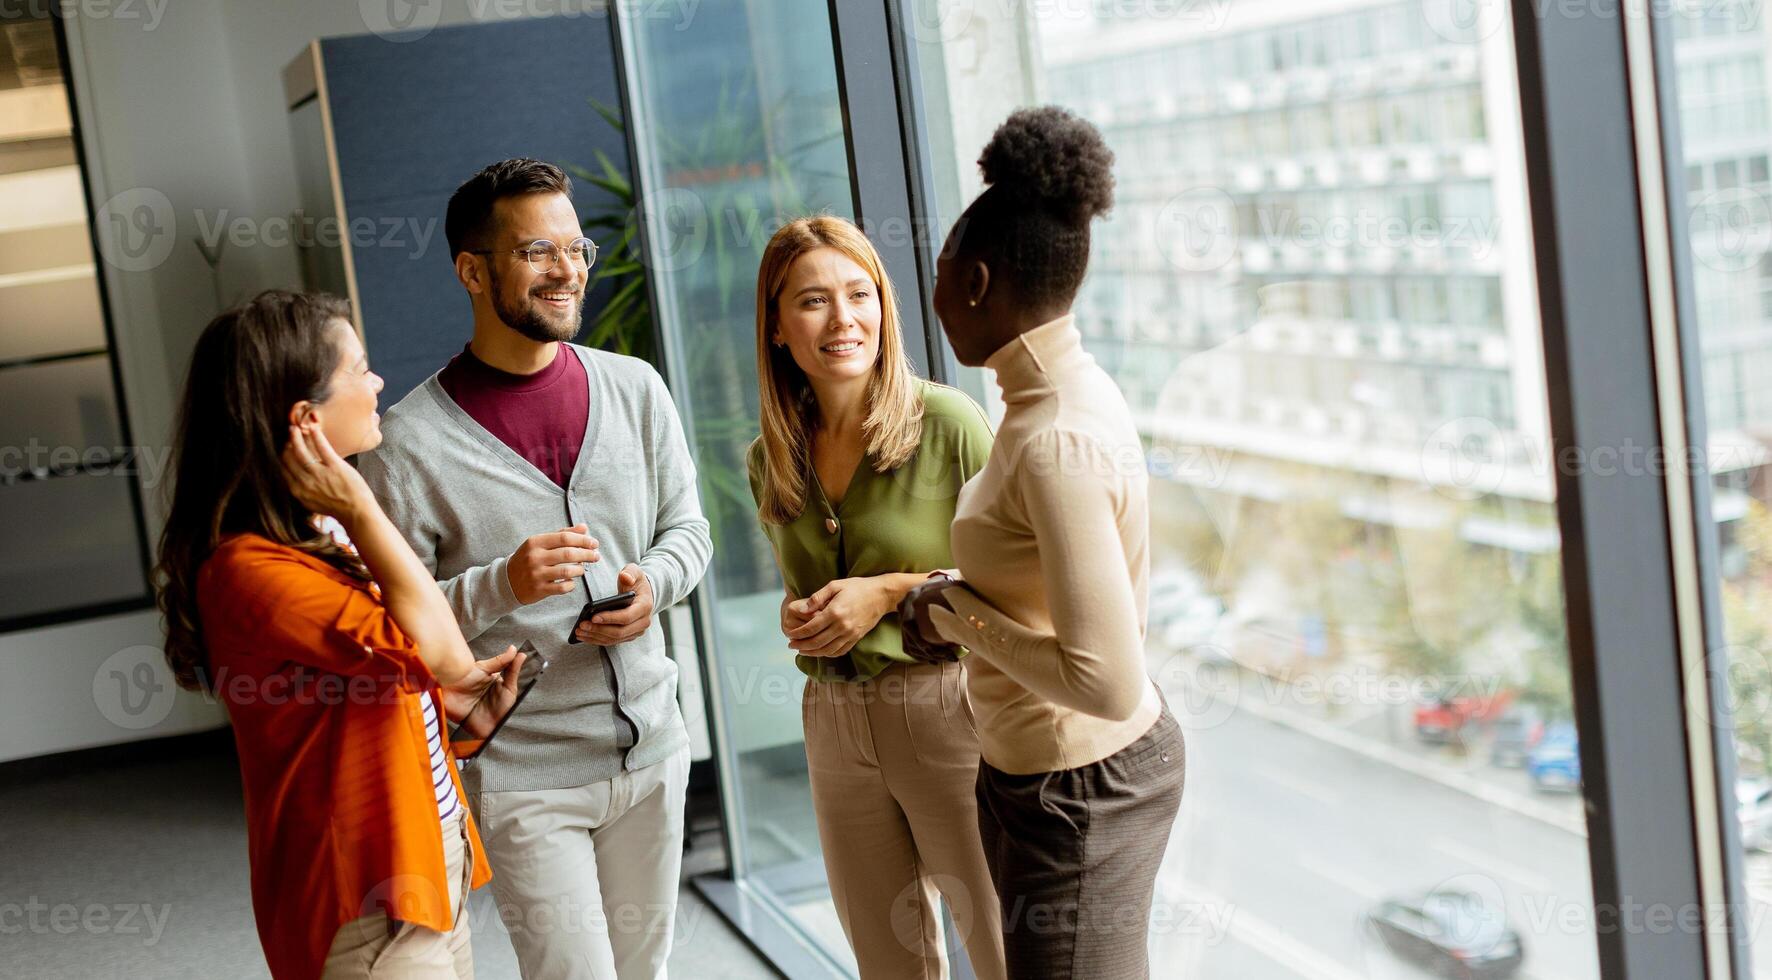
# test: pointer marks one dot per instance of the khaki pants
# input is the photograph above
(894, 765)
(372, 946)
(586, 878)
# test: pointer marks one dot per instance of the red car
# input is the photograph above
(1444, 720)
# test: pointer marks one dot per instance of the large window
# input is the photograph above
(1721, 79)
(69, 520)
(1317, 293)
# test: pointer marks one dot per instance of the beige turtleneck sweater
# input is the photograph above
(1053, 535)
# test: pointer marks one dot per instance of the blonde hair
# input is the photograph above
(894, 423)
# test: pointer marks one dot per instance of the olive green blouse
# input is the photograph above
(888, 522)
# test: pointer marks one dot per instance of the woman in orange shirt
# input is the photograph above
(290, 596)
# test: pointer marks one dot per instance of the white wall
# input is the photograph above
(181, 106)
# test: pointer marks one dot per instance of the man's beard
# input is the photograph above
(529, 321)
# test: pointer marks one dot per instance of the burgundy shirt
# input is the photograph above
(541, 416)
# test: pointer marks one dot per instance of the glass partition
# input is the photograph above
(741, 128)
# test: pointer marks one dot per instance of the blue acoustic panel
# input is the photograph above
(416, 118)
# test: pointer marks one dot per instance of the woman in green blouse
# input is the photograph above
(856, 476)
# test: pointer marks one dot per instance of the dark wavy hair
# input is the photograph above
(467, 221)
(251, 365)
(1049, 174)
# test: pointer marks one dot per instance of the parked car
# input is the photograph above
(1444, 720)
(1181, 614)
(1555, 762)
(1753, 805)
(1453, 932)
(1438, 722)
(1517, 732)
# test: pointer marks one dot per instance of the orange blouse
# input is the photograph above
(323, 691)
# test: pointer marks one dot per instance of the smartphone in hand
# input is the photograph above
(496, 704)
(621, 600)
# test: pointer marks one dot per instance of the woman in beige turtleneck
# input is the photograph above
(1082, 762)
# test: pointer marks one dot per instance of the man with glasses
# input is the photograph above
(580, 797)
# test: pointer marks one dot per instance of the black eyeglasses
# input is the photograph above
(543, 255)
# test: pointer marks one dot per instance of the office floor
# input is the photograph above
(134, 864)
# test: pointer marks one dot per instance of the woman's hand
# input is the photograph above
(320, 479)
(836, 616)
(921, 641)
(794, 613)
(459, 698)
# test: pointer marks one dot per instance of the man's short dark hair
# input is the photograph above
(468, 222)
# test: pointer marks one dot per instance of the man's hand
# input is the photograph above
(459, 698)
(621, 625)
(550, 564)
(837, 616)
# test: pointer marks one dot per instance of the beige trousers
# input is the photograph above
(371, 946)
(894, 769)
(586, 878)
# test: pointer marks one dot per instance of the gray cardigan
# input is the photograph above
(465, 501)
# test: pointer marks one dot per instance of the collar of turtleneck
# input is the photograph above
(1030, 366)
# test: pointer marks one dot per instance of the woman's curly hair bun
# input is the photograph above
(1054, 159)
